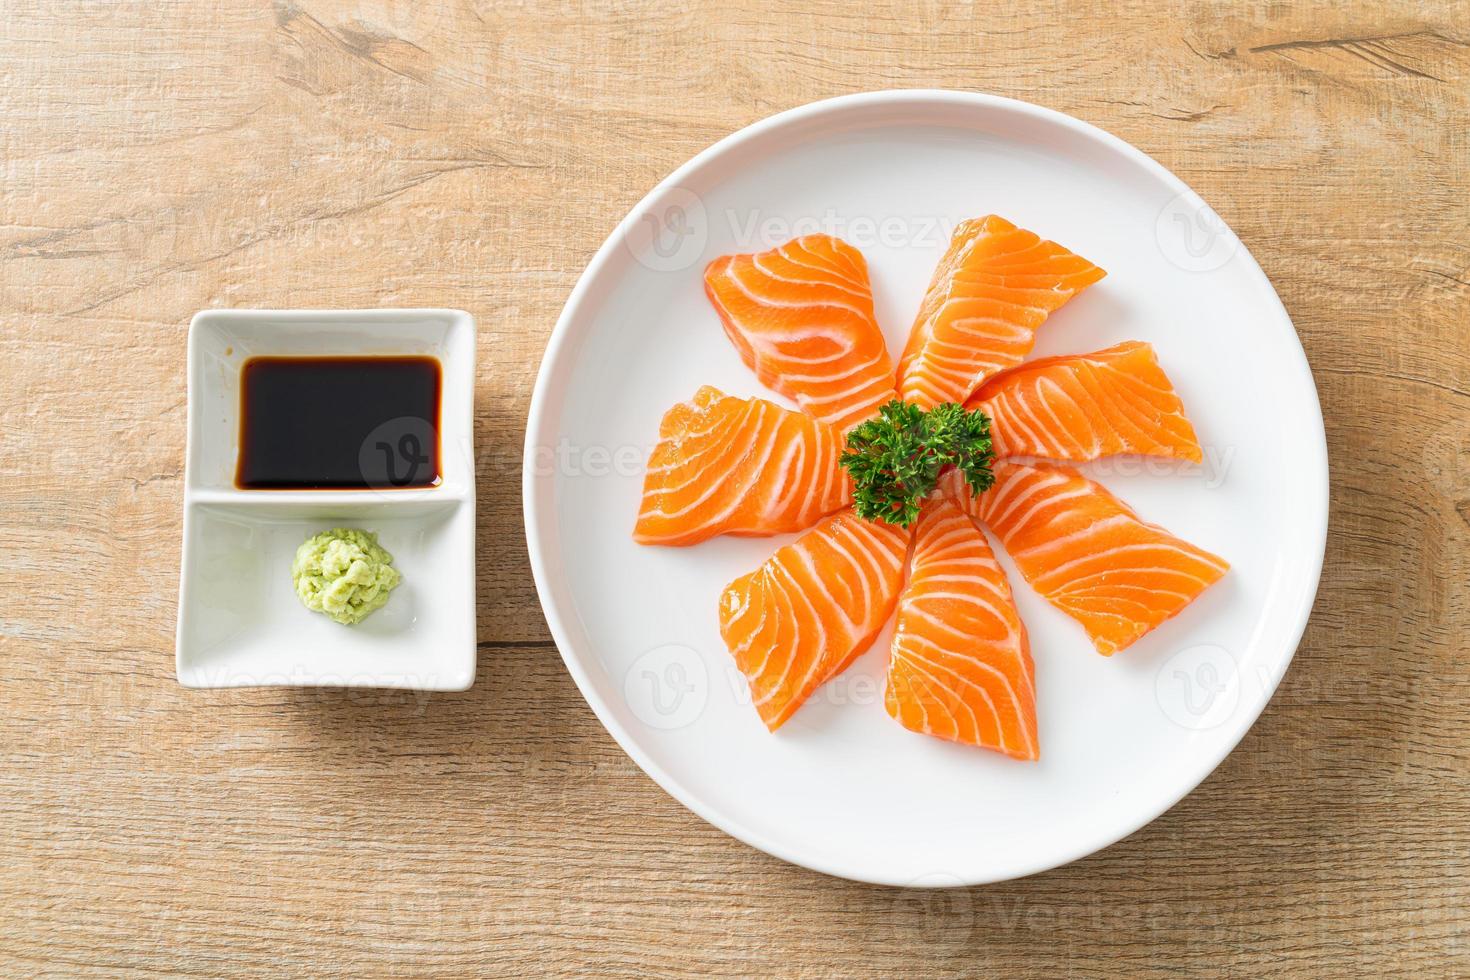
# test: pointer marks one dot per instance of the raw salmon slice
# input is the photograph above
(1085, 406)
(742, 466)
(961, 666)
(801, 316)
(993, 288)
(813, 607)
(1086, 551)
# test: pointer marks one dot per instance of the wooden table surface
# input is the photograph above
(161, 158)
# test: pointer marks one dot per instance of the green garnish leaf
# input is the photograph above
(895, 459)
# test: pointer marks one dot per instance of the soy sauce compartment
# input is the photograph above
(340, 423)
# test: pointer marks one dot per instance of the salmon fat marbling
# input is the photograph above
(960, 668)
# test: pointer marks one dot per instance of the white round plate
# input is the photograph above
(842, 788)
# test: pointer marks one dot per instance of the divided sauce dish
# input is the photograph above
(240, 622)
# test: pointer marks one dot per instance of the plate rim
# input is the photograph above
(538, 419)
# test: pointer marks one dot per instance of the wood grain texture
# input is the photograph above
(161, 158)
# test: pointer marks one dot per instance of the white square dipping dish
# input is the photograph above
(240, 623)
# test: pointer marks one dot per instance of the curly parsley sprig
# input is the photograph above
(895, 459)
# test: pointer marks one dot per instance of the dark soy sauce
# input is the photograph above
(339, 423)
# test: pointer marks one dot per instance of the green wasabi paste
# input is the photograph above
(343, 574)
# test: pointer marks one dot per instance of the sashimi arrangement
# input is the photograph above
(891, 472)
